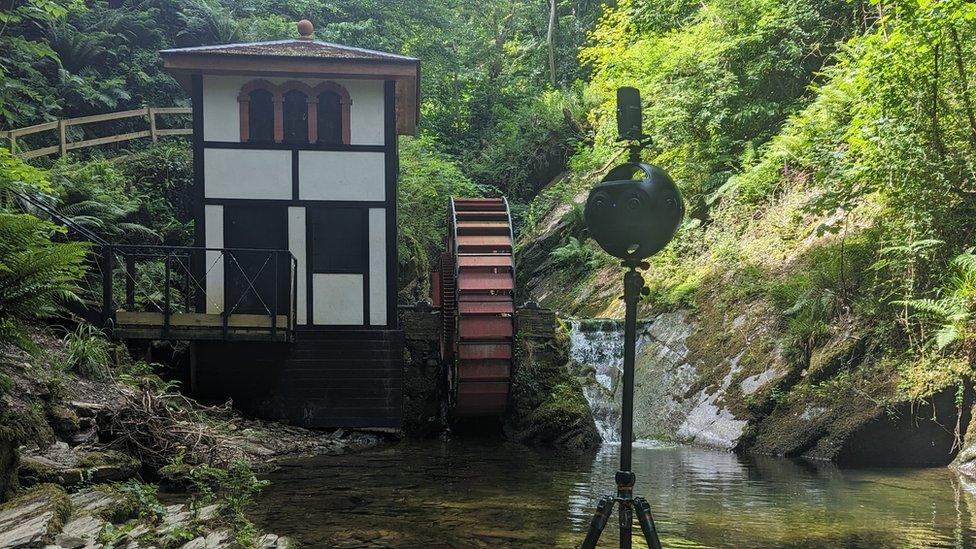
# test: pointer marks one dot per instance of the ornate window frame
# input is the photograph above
(345, 109)
(278, 98)
(244, 101)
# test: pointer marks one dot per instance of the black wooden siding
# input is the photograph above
(326, 378)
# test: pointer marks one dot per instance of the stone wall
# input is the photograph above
(424, 393)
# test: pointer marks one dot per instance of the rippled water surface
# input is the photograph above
(488, 494)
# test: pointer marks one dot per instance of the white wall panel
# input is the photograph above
(337, 299)
(255, 174)
(296, 244)
(221, 112)
(332, 175)
(377, 266)
(214, 235)
(366, 119)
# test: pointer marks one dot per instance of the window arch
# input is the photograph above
(329, 118)
(333, 112)
(294, 113)
(257, 108)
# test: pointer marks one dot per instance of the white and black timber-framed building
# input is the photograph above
(295, 148)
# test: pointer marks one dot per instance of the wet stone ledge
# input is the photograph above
(535, 322)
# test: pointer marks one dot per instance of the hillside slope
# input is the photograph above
(820, 292)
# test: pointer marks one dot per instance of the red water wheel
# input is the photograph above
(476, 294)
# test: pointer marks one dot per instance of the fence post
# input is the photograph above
(130, 282)
(152, 123)
(186, 284)
(166, 296)
(108, 266)
(62, 137)
(274, 312)
(293, 317)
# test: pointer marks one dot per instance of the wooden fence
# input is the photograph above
(64, 145)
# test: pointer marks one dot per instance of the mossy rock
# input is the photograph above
(78, 468)
(63, 420)
(105, 502)
(547, 406)
(34, 517)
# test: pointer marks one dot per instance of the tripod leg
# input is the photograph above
(603, 511)
(626, 524)
(643, 511)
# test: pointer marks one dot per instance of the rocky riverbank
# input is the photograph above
(82, 457)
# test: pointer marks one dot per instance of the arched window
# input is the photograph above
(294, 113)
(333, 111)
(295, 117)
(257, 101)
(329, 118)
(260, 114)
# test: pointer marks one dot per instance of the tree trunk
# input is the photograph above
(964, 79)
(551, 41)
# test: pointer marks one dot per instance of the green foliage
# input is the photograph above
(951, 315)
(232, 489)
(577, 256)
(529, 144)
(88, 352)
(36, 274)
(16, 175)
(144, 498)
(718, 77)
(99, 196)
(428, 180)
(23, 56)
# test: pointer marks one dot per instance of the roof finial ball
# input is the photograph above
(305, 29)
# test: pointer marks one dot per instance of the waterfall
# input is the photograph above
(598, 346)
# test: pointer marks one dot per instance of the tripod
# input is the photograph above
(625, 478)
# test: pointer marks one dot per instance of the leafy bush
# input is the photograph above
(950, 317)
(528, 145)
(428, 180)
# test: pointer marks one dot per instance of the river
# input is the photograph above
(480, 493)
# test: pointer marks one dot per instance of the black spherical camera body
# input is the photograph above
(635, 211)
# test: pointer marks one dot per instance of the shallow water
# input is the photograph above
(491, 494)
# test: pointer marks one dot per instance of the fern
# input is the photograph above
(36, 275)
(952, 314)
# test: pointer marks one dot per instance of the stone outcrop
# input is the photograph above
(728, 391)
(61, 464)
(34, 518)
(547, 406)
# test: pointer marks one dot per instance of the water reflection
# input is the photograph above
(481, 494)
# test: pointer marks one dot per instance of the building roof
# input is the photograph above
(304, 58)
(294, 48)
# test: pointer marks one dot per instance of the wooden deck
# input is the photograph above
(200, 326)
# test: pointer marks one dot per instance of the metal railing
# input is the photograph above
(217, 282)
(64, 145)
